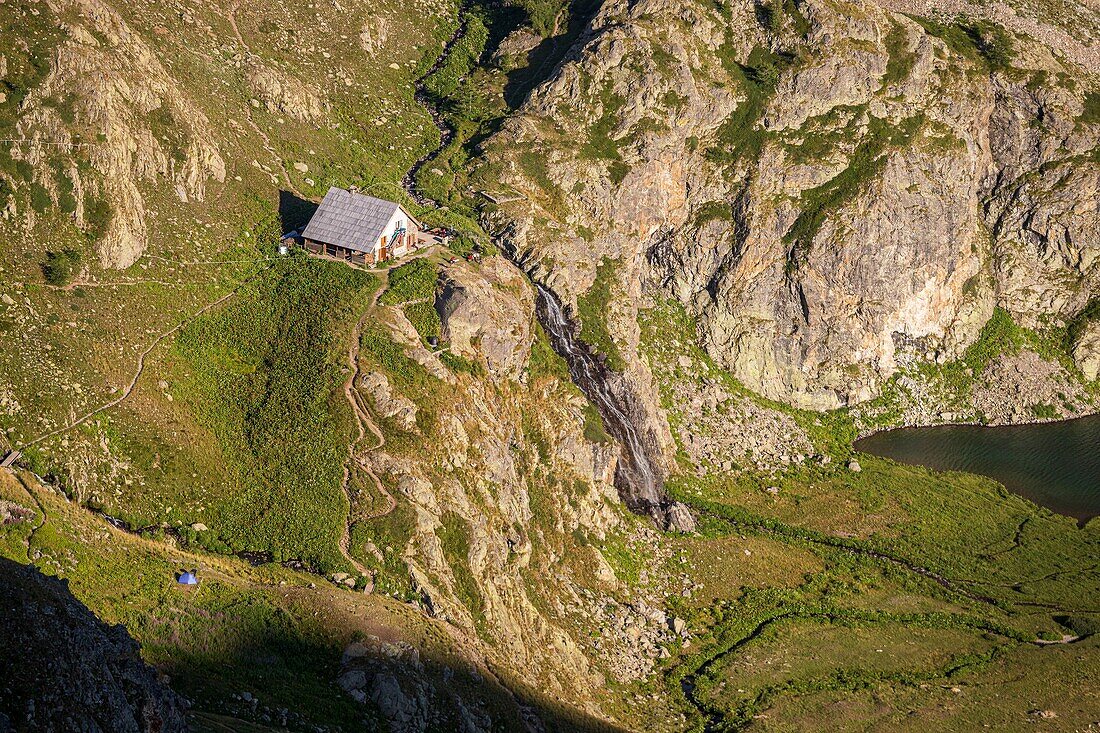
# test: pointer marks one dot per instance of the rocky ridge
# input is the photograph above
(841, 190)
(509, 482)
(124, 122)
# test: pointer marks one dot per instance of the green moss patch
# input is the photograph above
(412, 281)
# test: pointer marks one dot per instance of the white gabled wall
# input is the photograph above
(401, 217)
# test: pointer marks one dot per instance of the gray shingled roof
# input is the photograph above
(350, 220)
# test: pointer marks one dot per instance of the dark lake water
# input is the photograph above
(1056, 465)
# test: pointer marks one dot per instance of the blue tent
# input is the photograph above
(187, 578)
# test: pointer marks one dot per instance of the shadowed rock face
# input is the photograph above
(62, 669)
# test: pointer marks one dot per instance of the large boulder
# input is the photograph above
(487, 313)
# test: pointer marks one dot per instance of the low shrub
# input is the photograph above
(412, 281)
(61, 267)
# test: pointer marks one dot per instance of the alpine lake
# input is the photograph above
(1054, 464)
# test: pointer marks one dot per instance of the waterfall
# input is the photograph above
(637, 481)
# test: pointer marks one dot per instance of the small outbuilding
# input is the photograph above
(359, 228)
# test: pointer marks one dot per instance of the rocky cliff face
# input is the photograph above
(834, 192)
(509, 501)
(107, 120)
(61, 668)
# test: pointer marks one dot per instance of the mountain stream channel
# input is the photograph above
(637, 478)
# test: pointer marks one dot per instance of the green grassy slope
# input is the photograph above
(238, 422)
(237, 416)
(911, 580)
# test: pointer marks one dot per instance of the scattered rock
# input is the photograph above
(718, 426)
(1013, 386)
(854, 467)
(12, 513)
(1043, 714)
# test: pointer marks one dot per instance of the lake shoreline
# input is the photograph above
(1054, 464)
(864, 434)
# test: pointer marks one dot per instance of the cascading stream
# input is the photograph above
(423, 98)
(638, 482)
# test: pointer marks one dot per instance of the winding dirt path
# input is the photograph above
(140, 369)
(364, 416)
(364, 423)
(352, 463)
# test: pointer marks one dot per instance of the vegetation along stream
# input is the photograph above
(638, 480)
(1056, 465)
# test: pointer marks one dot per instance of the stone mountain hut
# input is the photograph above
(361, 229)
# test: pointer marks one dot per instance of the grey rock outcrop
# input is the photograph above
(151, 130)
(410, 697)
(1086, 353)
(282, 94)
(390, 404)
(486, 315)
(678, 518)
